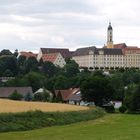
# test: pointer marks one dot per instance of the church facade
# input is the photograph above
(111, 56)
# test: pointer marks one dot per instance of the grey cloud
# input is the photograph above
(63, 23)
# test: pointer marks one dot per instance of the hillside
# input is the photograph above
(22, 106)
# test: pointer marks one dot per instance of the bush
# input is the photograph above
(16, 96)
(123, 109)
(109, 109)
(28, 97)
(37, 119)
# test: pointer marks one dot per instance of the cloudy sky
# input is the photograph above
(31, 24)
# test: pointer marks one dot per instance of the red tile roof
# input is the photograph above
(50, 57)
(120, 46)
(66, 94)
(28, 54)
(64, 52)
(131, 50)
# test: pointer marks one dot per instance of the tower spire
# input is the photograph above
(109, 36)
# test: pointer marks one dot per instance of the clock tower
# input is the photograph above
(109, 36)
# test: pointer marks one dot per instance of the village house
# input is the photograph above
(27, 54)
(71, 96)
(64, 52)
(55, 58)
(5, 92)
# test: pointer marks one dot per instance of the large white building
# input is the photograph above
(109, 57)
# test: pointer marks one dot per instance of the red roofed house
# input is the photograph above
(67, 94)
(55, 58)
(64, 52)
(27, 54)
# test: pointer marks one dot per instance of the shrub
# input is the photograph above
(37, 119)
(109, 109)
(16, 96)
(123, 109)
(28, 97)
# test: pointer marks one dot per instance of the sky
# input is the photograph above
(28, 25)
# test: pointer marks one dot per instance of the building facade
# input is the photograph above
(111, 56)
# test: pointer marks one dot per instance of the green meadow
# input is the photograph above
(109, 127)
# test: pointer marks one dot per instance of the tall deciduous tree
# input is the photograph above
(31, 64)
(132, 98)
(35, 80)
(8, 63)
(96, 89)
(71, 68)
(5, 52)
(49, 68)
(118, 86)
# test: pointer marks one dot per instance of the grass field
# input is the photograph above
(110, 127)
(21, 106)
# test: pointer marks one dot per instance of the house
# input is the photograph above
(5, 79)
(5, 92)
(75, 98)
(27, 54)
(117, 104)
(55, 58)
(64, 52)
(42, 90)
(66, 95)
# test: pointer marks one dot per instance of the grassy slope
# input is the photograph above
(111, 127)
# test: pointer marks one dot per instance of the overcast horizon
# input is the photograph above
(30, 24)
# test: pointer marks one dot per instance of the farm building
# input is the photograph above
(5, 92)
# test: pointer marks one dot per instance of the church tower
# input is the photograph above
(109, 36)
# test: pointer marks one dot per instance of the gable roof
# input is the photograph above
(5, 92)
(75, 97)
(28, 54)
(50, 57)
(120, 46)
(64, 52)
(66, 93)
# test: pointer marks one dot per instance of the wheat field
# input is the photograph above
(7, 106)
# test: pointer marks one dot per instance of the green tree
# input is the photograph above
(97, 89)
(34, 79)
(132, 98)
(7, 73)
(61, 82)
(15, 96)
(8, 63)
(31, 64)
(17, 82)
(21, 64)
(5, 52)
(49, 69)
(71, 68)
(117, 84)
(16, 53)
